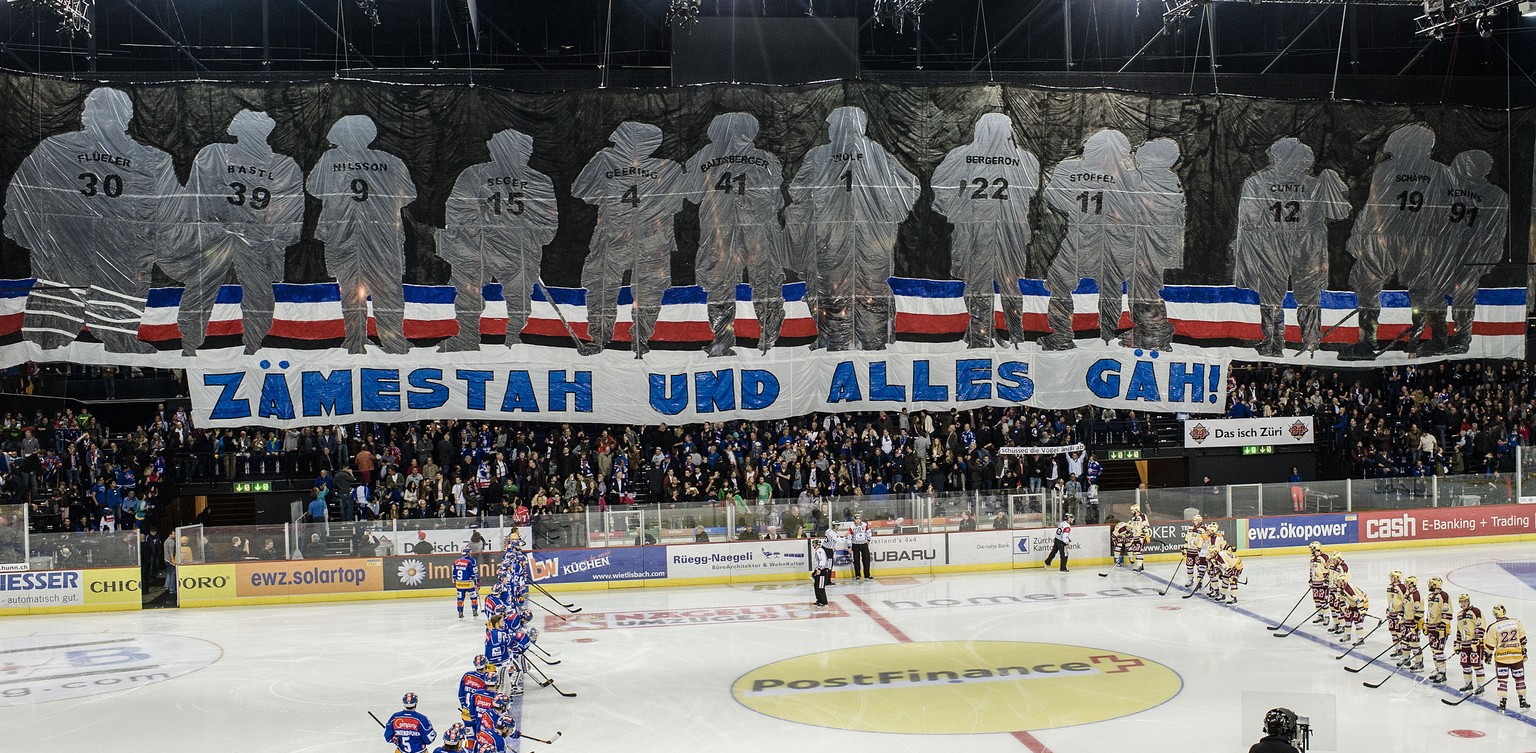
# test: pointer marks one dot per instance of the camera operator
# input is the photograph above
(1279, 733)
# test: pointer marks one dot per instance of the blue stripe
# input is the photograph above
(430, 294)
(229, 294)
(315, 292)
(927, 288)
(17, 288)
(162, 298)
(1501, 297)
(492, 292)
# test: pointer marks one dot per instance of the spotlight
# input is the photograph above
(1484, 27)
(1528, 9)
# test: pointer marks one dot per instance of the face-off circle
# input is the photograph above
(957, 688)
(42, 668)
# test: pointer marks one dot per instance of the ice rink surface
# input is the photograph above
(1026, 660)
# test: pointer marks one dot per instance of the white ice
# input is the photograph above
(302, 678)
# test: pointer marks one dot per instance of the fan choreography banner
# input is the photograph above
(353, 250)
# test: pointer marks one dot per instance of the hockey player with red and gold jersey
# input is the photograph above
(1437, 625)
(1317, 579)
(1141, 535)
(1120, 543)
(1194, 538)
(1469, 643)
(1505, 639)
(1336, 567)
(1413, 615)
(1228, 568)
(1353, 604)
(1395, 611)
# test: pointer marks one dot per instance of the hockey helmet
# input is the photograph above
(505, 721)
(455, 734)
(1316, 546)
(501, 701)
(1435, 584)
(1412, 582)
(1498, 611)
(1335, 559)
(465, 551)
(1464, 600)
(485, 746)
(1394, 576)
(1341, 577)
(1198, 519)
(409, 700)
(1231, 547)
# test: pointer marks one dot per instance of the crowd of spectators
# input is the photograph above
(1447, 418)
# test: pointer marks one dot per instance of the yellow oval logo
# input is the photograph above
(957, 687)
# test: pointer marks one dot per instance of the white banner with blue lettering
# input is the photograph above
(674, 387)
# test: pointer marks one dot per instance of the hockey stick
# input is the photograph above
(547, 662)
(1372, 659)
(1297, 626)
(1358, 643)
(1475, 691)
(376, 719)
(574, 609)
(1293, 610)
(1324, 337)
(1175, 574)
(550, 683)
(581, 346)
(547, 609)
(1394, 672)
(1195, 590)
(550, 741)
(543, 650)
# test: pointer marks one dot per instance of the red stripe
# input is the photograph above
(1035, 746)
(11, 323)
(1219, 330)
(422, 330)
(159, 332)
(225, 328)
(335, 329)
(1478, 328)
(931, 324)
(493, 326)
(878, 618)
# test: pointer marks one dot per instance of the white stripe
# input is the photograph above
(115, 294)
(51, 330)
(72, 300)
(328, 311)
(429, 312)
(108, 328)
(97, 302)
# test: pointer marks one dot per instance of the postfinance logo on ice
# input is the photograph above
(957, 687)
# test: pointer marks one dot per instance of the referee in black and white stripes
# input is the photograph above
(1063, 539)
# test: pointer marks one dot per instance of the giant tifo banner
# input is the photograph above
(720, 238)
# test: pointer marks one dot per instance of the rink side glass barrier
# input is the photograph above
(747, 542)
(51, 573)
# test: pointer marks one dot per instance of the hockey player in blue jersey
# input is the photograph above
(482, 703)
(408, 730)
(475, 680)
(466, 579)
(498, 646)
(493, 738)
(455, 739)
(499, 597)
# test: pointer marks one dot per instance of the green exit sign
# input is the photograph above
(251, 487)
(1259, 449)
(1125, 454)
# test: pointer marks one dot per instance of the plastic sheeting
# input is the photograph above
(362, 192)
(1282, 240)
(853, 214)
(500, 215)
(846, 201)
(1399, 233)
(636, 196)
(246, 206)
(92, 206)
(739, 190)
(985, 189)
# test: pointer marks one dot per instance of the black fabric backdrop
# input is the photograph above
(440, 130)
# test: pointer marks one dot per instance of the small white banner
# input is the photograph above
(1239, 432)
